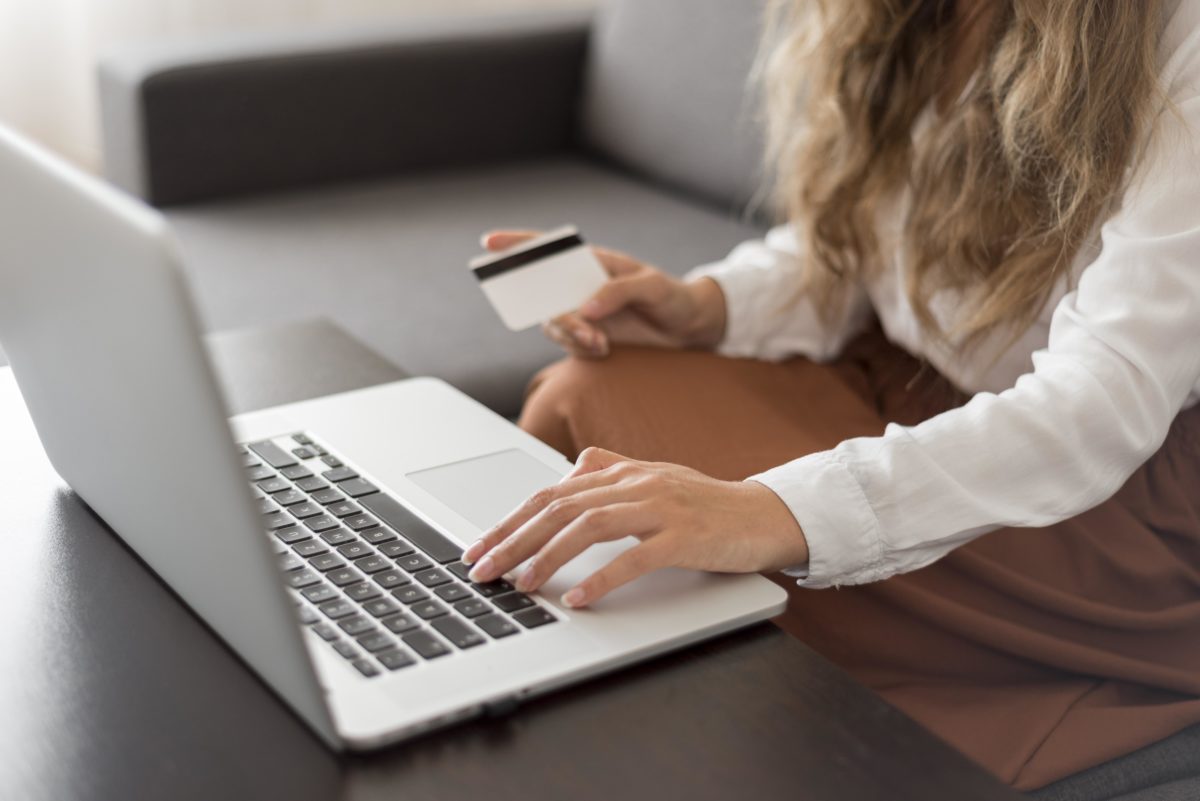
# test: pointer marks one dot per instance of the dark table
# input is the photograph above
(111, 689)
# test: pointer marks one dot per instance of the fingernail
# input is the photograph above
(471, 554)
(525, 582)
(483, 571)
(573, 597)
(483, 240)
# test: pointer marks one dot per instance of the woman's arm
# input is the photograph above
(1123, 358)
(767, 316)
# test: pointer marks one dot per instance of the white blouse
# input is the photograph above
(1058, 421)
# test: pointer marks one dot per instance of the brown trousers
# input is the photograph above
(1036, 652)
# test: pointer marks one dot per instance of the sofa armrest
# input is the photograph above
(231, 116)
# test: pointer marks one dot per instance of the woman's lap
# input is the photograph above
(1037, 652)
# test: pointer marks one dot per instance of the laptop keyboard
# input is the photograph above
(384, 588)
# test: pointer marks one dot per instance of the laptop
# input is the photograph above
(322, 539)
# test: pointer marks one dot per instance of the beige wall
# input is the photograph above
(48, 47)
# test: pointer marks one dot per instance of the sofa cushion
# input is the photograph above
(387, 260)
(665, 94)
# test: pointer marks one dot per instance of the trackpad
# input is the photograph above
(486, 488)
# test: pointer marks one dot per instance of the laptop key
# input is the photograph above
(452, 592)
(354, 550)
(362, 592)
(365, 667)
(433, 578)
(345, 649)
(326, 562)
(302, 439)
(360, 522)
(299, 579)
(304, 452)
(457, 632)
(459, 569)
(414, 563)
(249, 460)
(326, 632)
(395, 659)
(307, 615)
(260, 473)
(331, 461)
(305, 510)
(289, 561)
(375, 642)
(399, 624)
(276, 520)
(390, 578)
(339, 474)
(532, 618)
(266, 506)
(372, 564)
(358, 487)
(496, 626)
(356, 625)
(319, 593)
(313, 484)
(321, 523)
(410, 595)
(381, 607)
(272, 454)
(376, 536)
(425, 644)
(472, 607)
(289, 497)
(328, 496)
(293, 534)
(414, 529)
(343, 509)
(513, 601)
(271, 485)
(295, 472)
(337, 536)
(428, 610)
(493, 588)
(309, 548)
(337, 609)
(344, 577)
(396, 549)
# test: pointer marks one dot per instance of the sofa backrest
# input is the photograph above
(667, 96)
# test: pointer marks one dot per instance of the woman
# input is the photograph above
(962, 380)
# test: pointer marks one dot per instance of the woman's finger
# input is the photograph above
(587, 336)
(588, 474)
(598, 524)
(535, 532)
(616, 262)
(647, 287)
(558, 335)
(505, 239)
(639, 560)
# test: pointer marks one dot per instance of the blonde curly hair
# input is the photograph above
(1004, 186)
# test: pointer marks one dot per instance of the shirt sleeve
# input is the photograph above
(1123, 357)
(767, 315)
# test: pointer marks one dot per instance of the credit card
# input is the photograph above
(540, 279)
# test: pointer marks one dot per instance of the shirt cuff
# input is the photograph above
(842, 531)
(740, 288)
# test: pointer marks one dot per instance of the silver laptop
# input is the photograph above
(321, 539)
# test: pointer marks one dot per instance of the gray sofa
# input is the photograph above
(350, 174)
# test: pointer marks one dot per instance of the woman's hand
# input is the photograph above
(639, 306)
(682, 517)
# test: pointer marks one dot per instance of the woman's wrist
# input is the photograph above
(708, 320)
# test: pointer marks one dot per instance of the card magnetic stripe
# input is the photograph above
(542, 251)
